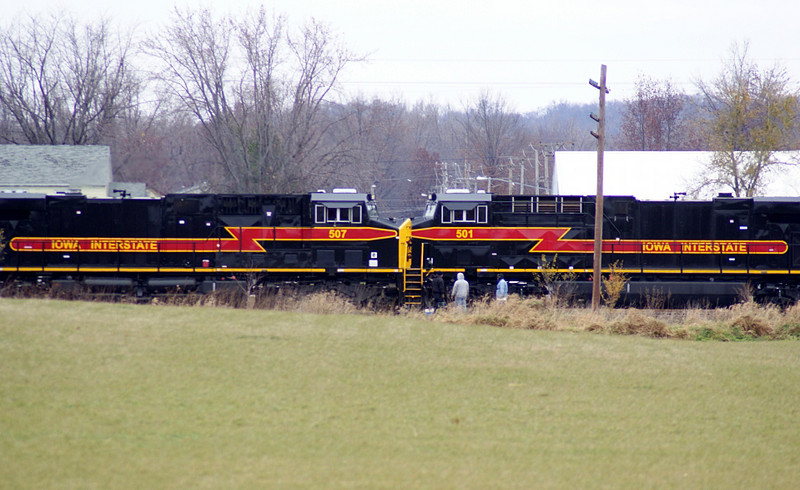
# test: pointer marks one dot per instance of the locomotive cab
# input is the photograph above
(350, 232)
(459, 233)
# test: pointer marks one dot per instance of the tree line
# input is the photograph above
(249, 102)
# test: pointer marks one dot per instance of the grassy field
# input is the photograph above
(121, 396)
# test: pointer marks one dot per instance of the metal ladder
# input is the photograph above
(413, 280)
(412, 287)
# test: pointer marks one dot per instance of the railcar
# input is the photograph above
(677, 251)
(200, 242)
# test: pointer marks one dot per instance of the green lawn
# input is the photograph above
(119, 396)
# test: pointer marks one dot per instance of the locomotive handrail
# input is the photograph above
(747, 258)
(609, 221)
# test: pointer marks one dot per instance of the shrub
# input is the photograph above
(752, 326)
(709, 333)
(613, 284)
(637, 323)
(560, 286)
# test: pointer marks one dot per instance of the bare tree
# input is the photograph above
(195, 55)
(752, 113)
(317, 62)
(260, 112)
(565, 123)
(62, 82)
(375, 132)
(652, 118)
(492, 133)
(428, 133)
(425, 121)
(164, 149)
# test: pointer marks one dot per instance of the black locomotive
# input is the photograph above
(200, 242)
(707, 252)
(710, 252)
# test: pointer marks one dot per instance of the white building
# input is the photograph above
(652, 175)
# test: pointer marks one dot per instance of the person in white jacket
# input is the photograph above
(460, 291)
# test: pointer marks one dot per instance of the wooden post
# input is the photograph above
(598, 207)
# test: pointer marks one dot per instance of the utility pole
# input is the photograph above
(598, 205)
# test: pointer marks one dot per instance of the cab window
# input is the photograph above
(335, 215)
(478, 214)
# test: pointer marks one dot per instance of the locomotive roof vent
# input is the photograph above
(339, 200)
(456, 191)
(348, 190)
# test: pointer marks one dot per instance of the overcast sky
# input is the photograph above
(533, 53)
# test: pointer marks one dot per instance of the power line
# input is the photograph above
(562, 61)
(410, 82)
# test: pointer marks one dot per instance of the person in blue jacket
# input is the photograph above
(501, 294)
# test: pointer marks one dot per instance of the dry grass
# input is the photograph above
(325, 302)
(747, 321)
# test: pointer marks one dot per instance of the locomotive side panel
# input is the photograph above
(568, 217)
(245, 228)
(187, 235)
